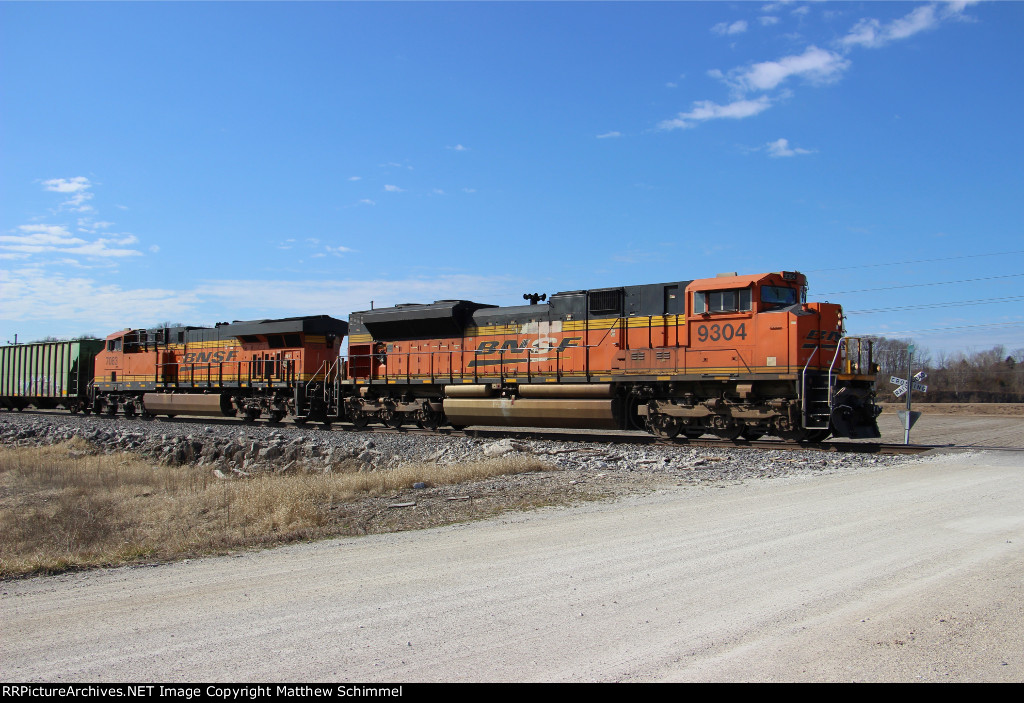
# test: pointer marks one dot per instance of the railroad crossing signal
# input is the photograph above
(901, 384)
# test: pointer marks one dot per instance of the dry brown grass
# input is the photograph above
(67, 506)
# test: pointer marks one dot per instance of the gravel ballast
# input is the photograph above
(254, 448)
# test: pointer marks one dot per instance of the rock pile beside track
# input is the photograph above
(240, 450)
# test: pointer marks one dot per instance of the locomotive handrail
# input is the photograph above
(323, 368)
(835, 357)
(438, 376)
(803, 384)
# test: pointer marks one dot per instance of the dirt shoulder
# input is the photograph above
(904, 573)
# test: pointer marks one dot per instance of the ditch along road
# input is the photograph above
(910, 573)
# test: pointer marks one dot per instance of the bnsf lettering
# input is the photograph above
(515, 346)
(208, 357)
(832, 336)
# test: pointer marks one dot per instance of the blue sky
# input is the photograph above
(198, 162)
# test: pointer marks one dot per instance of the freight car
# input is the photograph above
(48, 374)
(734, 356)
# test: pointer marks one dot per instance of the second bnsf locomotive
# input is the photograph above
(734, 356)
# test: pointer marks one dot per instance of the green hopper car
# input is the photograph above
(48, 374)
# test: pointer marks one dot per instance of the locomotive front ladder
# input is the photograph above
(817, 391)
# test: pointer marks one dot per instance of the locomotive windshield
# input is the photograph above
(778, 296)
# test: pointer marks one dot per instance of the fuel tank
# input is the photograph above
(210, 404)
(580, 413)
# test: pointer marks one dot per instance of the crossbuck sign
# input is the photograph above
(915, 384)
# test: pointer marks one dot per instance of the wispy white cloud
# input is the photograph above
(780, 148)
(71, 304)
(704, 110)
(67, 185)
(457, 147)
(726, 28)
(871, 33)
(85, 304)
(41, 236)
(393, 189)
(78, 187)
(814, 64)
(609, 135)
(42, 241)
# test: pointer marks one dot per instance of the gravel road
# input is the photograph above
(874, 573)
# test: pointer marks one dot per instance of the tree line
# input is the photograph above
(995, 375)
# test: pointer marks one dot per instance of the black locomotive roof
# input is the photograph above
(442, 317)
(312, 324)
(449, 318)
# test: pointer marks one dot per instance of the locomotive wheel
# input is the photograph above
(129, 410)
(276, 416)
(391, 418)
(729, 432)
(751, 434)
(249, 415)
(360, 420)
(428, 420)
(664, 426)
(110, 408)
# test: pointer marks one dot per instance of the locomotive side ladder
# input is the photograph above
(816, 394)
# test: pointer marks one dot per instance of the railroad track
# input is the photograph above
(593, 436)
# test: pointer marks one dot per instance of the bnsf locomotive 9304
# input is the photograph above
(733, 356)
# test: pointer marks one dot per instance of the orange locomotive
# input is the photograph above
(735, 356)
(252, 368)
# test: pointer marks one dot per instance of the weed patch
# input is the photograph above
(70, 506)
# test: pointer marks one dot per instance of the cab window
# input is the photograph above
(732, 300)
(778, 296)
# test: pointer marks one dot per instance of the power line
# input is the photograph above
(922, 285)
(936, 330)
(917, 261)
(923, 306)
